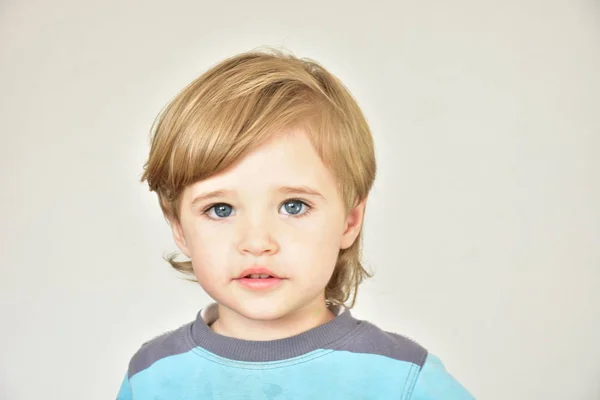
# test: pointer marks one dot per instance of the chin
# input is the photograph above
(261, 310)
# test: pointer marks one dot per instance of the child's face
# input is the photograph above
(255, 225)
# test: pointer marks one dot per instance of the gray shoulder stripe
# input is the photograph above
(362, 337)
(165, 345)
(373, 340)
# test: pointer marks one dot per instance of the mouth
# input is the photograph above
(259, 283)
(259, 278)
(258, 273)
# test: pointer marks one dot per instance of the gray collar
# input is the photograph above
(320, 337)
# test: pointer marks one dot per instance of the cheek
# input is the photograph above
(209, 251)
(317, 249)
(207, 240)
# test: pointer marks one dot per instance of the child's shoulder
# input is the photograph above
(374, 340)
(166, 344)
(432, 380)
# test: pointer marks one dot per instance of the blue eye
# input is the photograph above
(294, 206)
(222, 210)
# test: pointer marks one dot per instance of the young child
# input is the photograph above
(263, 166)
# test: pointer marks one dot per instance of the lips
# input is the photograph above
(258, 271)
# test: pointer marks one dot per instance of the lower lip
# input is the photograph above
(260, 283)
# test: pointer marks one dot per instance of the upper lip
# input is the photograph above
(257, 270)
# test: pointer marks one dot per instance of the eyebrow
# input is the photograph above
(305, 190)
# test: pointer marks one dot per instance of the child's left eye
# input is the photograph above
(294, 207)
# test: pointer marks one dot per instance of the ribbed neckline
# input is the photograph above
(272, 350)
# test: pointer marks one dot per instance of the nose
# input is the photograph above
(257, 239)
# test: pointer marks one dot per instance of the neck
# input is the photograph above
(235, 325)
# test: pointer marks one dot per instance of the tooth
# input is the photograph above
(259, 276)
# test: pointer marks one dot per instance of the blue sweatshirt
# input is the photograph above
(345, 358)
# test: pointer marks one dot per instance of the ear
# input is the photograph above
(353, 224)
(179, 237)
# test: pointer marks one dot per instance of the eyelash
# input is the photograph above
(305, 213)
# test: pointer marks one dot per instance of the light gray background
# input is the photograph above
(483, 227)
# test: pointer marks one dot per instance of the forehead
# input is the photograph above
(287, 159)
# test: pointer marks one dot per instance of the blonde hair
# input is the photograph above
(240, 103)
